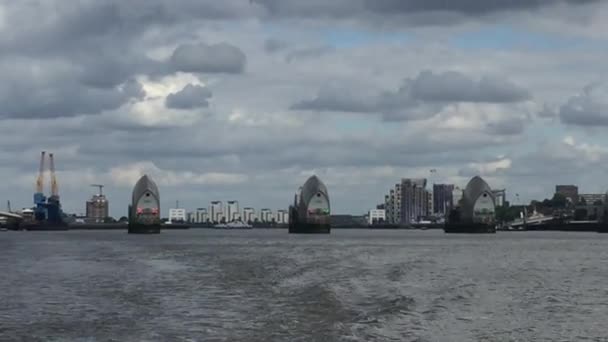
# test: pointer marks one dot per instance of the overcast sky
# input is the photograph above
(245, 99)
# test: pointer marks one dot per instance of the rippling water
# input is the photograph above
(267, 285)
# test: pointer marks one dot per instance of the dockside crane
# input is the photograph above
(54, 186)
(47, 209)
(53, 206)
(39, 198)
(40, 179)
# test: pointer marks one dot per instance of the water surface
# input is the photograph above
(267, 285)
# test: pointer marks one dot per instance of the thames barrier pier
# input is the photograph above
(144, 211)
(602, 226)
(475, 213)
(310, 212)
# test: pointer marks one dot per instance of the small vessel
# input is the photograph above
(233, 225)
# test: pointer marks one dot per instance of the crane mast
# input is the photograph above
(47, 210)
(40, 179)
(54, 186)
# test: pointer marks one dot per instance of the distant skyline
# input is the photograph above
(245, 99)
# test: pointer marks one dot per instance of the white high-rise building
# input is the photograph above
(177, 215)
(215, 211)
(191, 217)
(232, 211)
(282, 217)
(266, 215)
(248, 215)
(201, 215)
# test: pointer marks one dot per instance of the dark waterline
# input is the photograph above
(267, 285)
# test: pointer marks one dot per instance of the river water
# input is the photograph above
(267, 285)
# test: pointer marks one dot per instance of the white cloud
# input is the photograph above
(491, 167)
(129, 174)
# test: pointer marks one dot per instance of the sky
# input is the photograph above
(245, 99)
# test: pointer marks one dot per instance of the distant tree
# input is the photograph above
(454, 216)
(580, 214)
(109, 219)
(223, 220)
(507, 214)
(559, 201)
(123, 219)
(593, 216)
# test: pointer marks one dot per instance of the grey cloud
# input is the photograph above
(214, 58)
(108, 67)
(257, 149)
(346, 97)
(55, 91)
(93, 19)
(274, 45)
(513, 126)
(418, 12)
(104, 73)
(418, 98)
(453, 86)
(590, 108)
(547, 112)
(340, 98)
(308, 53)
(311, 8)
(133, 89)
(191, 96)
(469, 7)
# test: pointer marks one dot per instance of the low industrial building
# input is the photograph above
(177, 215)
(376, 216)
